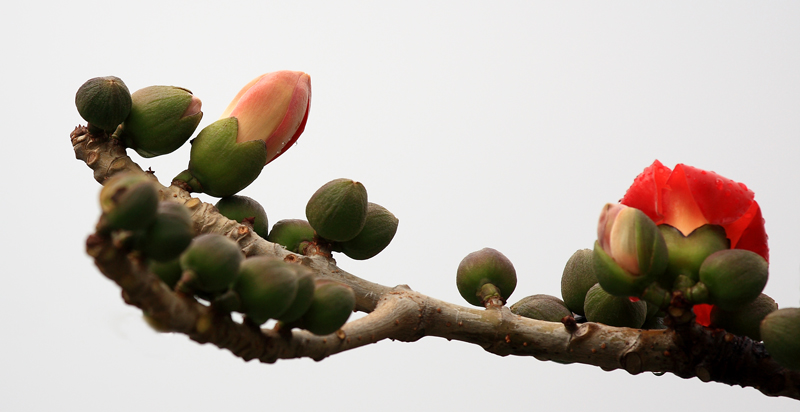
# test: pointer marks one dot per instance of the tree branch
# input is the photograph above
(402, 314)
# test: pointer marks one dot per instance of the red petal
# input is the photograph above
(721, 200)
(679, 205)
(753, 237)
(702, 313)
(645, 192)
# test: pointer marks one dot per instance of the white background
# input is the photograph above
(479, 124)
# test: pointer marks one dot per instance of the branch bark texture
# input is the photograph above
(402, 314)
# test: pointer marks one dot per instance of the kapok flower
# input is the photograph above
(687, 198)
(272, 108)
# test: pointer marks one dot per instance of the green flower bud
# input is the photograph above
(745, 321)
(630, 253)
(338, 210)
(542, 307)
(603, 307)
(485, 267)
(379, 229)
(239, 208)
(218, 165)
(578, 277)
(162, 119)
(266, 287)
(169, 235)
(104, 102)
(330, 308)
(734, 277)
(290, 233)
(129, 202)
(303, 298)
(780, 331)
(687, 253)
(212, 262)
(170, 271)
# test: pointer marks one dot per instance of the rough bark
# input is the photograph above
(400, 313)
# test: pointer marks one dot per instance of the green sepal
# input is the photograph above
(687, 253)
(222, 166)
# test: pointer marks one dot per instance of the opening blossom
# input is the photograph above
(264, 119)
(272, 108)
(687, 198)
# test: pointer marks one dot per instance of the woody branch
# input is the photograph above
(402, 314)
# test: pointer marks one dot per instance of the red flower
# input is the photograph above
(687, 198)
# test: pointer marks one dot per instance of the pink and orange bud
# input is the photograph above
(272, 108)
(616, 232)
(630, 253)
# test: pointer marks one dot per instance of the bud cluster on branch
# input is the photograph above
(654, 294)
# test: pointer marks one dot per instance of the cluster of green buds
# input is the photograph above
(132, 212)
(213, 267)
(634, 257)
(153, 121)
(340, 219)
(263, 121)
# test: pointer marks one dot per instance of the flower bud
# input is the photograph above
(272, 108)
(290, 233)
(162, 119)
(304, 296)
(266, 287)
(734, 277)
(780, 331)
(541, 307)
(338, 210)
(210, 264)
(169, 272)
(330, 308)
(239, 208)
(745, 321)
(129, 201)
(484, 275)
(578, 277)
(104, 102)
(602, 307)
(379, 229)
(169, 235)
(630, 253)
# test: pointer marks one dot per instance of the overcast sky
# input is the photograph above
(479, 124)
